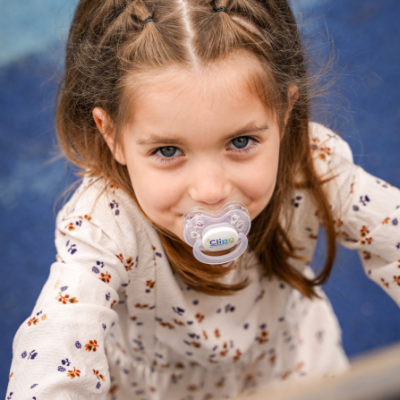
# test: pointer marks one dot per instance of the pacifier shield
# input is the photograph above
(216, 231)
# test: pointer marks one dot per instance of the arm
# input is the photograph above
(58, 352)
(367, 214)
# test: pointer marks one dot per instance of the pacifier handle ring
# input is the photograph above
(204, 258)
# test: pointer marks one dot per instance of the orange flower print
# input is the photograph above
(396, 279)
(74, 373)
(299, 366)
(112, 390)
(263, 337)
(364, 231)
(205, 335)
(220, 382)
(155, 254)
(385, 221)
(91, 346)
(120, 258)
(367, 255)
(192, 388)
(138, 305)
(326, 150)
(199, 317)
(272, 359)
(98, 375)
(285, 375)
(386, 284)
(237, 356)
(114, 302)
(339, 222)
(314, 144)
(150, 284)
(129, 264)
(179, 323)
(66, 299)
(217, 333)
(167, 325)
(113, 188)
(105, 277)
(70, 226)
(33, 321)
(11, 375)
(366, 241)
(225, 350)
(196, 345)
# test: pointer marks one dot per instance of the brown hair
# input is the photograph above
(109, 42)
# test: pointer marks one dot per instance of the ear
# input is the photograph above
(104, 125)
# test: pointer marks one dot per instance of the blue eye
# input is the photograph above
(168, 151)
(240, 142)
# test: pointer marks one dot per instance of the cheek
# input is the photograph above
(156, 192)
(260, 183)
(259, 180)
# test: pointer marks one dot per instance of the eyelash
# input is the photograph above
(247, 149)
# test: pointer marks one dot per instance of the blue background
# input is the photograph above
(362, 104)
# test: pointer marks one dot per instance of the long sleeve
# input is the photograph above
(58, 352)
(366, 211)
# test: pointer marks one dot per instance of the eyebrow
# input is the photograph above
(157, 140)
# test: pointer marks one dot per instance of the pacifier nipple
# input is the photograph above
(222, 231)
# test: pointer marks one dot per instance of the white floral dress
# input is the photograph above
(113, 322)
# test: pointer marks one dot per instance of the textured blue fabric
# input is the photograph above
(365, 35)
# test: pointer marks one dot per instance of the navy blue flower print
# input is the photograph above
(364, 200)
(114, 206)
(32, 355)
(72, 249)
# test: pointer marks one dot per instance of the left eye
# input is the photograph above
(240, 142)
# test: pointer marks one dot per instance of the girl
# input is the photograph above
(168, 105)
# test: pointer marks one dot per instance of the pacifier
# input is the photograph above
(217, 231)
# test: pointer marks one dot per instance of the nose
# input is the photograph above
(209, 183)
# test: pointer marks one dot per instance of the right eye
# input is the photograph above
(168, 151)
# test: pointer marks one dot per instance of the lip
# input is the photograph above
(214, 206)
(211, 207)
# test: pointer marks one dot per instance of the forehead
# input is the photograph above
(221, 86)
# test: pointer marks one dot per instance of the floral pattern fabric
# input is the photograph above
(113, 321)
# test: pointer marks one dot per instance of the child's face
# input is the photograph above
(182, 148)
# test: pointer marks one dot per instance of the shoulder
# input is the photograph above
(326, 144)
(106, 208)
